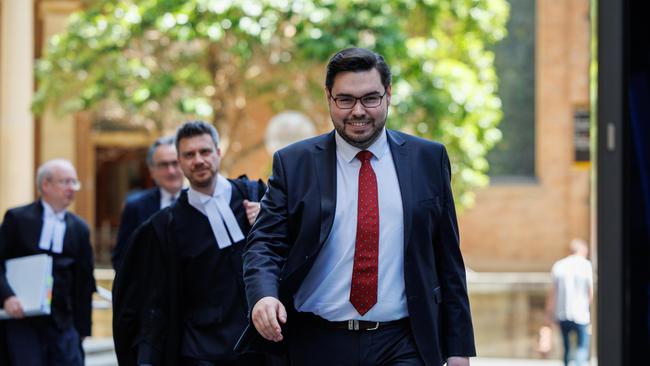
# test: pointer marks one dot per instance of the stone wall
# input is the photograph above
(508, 311)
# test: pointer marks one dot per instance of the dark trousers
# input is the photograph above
(243, 360)
(388, 346)
(38, 342)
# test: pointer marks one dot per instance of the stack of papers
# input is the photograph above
(31, 280)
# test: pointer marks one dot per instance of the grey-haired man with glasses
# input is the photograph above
(46, 227)
(139, 206)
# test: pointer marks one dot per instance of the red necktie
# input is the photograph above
(363, 290)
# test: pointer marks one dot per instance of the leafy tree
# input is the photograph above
(164, 61)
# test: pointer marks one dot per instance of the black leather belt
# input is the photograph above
(316, 321)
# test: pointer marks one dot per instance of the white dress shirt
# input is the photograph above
(53, 230)
(222, 220)
(166, 198)
(326, 288)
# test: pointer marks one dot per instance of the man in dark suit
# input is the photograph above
(45, 226)
(354, 258)
(179, 296)
(164, 169)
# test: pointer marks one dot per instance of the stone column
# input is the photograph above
(58, 137)
(16, 88)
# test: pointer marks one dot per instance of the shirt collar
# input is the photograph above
(165, 195)
(48, 212)
(349, 152)
(222, 189)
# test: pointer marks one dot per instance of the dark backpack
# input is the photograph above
(250, 189)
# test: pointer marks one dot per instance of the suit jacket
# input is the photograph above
(188, 297)
(296, 219)
(138, 208)
(74, 282)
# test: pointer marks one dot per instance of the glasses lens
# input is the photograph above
(72, 183)
(371, 101)
(166, 164)
(345, 102)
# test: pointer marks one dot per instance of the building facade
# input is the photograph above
(515, 225)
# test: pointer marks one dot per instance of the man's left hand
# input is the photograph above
(458, 361)
(252, 210)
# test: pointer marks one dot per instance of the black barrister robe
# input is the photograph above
(74, 282)
(177, 293)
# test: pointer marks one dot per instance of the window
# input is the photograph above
(514, 155)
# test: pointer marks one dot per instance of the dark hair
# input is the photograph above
(196, 128)
(166, 140)
(356, 59)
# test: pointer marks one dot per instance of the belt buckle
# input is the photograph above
(353, 324)
(375, 327)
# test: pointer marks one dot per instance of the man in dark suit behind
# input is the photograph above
(45, 226)
(355, 258)
(164, 169)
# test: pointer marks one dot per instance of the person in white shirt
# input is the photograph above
(569, 301)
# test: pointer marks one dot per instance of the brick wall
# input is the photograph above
(526, 226)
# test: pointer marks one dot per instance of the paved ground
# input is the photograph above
(109, 360)
(513, 362)
(99, 352)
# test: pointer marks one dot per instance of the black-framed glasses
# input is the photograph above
(348, 101)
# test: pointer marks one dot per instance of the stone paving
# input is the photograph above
(513, 362)
(99, 352)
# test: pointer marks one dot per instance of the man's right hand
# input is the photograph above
(268, 313)
(13, 307)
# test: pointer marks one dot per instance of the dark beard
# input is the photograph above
(358, 144)
(203, 184)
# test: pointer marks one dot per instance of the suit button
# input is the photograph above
(306, 257)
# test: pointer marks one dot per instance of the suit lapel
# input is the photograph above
(325, 163)
(36, 224)
(154, 202)
(187, 216)
(69, 233)
(401, 158)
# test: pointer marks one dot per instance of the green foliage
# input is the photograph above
(165, 61)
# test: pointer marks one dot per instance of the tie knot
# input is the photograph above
(364, 156)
